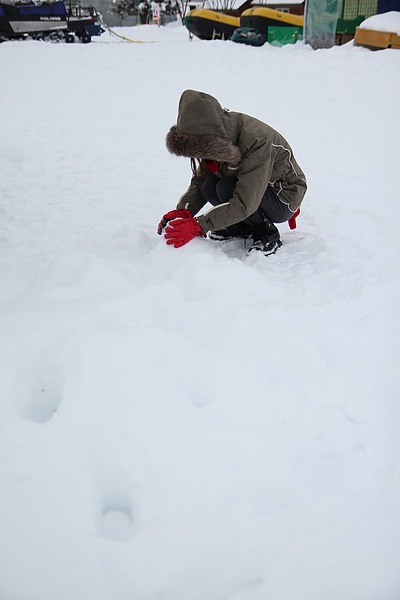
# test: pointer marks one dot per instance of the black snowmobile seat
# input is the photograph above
(9, 9)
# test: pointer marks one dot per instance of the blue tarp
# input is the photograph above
(59, 8)
(45, 9)
(385, 6)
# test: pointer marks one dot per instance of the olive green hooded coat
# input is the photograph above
(245, 147)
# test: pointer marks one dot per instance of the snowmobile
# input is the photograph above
(48, 20)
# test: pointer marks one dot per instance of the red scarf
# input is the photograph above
(212, 165)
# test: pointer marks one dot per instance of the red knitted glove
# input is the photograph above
(180, 231)
(172, 214)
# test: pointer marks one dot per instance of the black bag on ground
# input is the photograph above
(248, 35)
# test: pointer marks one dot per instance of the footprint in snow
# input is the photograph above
(39, 382)
(117, 520)
(119, 505)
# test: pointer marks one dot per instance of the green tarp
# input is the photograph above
(321, 17)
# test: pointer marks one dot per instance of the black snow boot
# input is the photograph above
(239, 230)
(266, 238)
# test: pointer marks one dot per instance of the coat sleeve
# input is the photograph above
(253, 177)
(193, 199)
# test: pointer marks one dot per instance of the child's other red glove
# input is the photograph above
(180, 231)
(292, 220)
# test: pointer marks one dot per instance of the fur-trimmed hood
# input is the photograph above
(203, 130)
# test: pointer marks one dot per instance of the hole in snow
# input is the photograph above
(38, 398)
(117, 521)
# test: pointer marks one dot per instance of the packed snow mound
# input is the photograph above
(388, 22)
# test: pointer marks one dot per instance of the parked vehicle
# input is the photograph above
(48, 20)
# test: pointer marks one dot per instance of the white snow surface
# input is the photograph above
(388, 22)
(196, 424)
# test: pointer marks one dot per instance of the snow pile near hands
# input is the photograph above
(388, 22)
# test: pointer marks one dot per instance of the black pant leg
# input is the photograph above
(218, 191)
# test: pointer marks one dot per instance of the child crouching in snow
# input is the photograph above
(241, 166)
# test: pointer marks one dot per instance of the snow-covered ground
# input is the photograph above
(196, 424)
